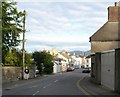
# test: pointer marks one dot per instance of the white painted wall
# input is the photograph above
(77, 60)
(88, 62)
(108, 69)
(64, 66)
(56, 67)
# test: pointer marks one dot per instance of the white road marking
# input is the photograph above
(16, 85)
(47, 85)
(55, 81)
(35, 93)
(33, 87)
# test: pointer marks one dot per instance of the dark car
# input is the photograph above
(86, 70)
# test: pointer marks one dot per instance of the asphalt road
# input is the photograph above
(59, 84)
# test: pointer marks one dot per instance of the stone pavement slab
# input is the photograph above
(95, 89)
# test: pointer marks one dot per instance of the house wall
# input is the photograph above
(96, 68)
(62, 57)
(64, 66)
(104, 46)
(88, 62)
(93, 67)
(56, 67)
(117, 70)
(108, 69)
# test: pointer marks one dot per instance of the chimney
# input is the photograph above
(114, 13)
(115, 3)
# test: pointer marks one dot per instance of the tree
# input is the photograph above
(14, 56)
(11, 59)
(11, 27)
(43, 61)
(28, 59)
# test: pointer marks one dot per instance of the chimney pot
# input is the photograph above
(115, 3)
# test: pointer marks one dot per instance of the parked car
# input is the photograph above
(77, 67)
(86, 70)
(69, 69)
(36, 71)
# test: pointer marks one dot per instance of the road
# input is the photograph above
(58, 84)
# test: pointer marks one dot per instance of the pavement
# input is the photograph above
(94, 90)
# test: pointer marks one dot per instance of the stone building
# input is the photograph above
(108, 36)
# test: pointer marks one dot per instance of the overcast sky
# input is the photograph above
(62, 25)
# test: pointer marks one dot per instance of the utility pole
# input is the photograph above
(23, 45)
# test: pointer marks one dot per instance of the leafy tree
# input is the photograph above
(11, 27)
(28, 59)
(11, 59)
(43, 61)
(14, 57)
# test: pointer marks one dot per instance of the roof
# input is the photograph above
(66, 55)
(88, 56)
(108, 32)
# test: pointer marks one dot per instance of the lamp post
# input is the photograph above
(23, 45)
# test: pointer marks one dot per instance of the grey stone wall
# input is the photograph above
(11, 74)
(32, 71)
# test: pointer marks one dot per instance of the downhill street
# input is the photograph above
(58, 84)
(68, 83)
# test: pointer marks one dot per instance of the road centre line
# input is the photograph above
(36, 93)
(32, 86)
(55, 80)
(81, 88)
(47, 85)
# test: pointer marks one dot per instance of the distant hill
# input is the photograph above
(77, 52)
(81, 52)
(87, 53)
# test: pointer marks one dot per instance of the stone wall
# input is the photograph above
(11, 74)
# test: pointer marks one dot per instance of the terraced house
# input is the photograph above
(105, 51)
(108, 36)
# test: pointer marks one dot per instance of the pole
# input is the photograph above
(23, 45)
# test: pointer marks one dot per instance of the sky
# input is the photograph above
(62, 25)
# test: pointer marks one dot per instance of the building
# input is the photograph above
(108, 36)
(62, 58)
(88, 61)
(105, 51)
(56, 67)
(77, 60)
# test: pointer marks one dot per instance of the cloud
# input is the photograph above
(62, 25)
(63, 1)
